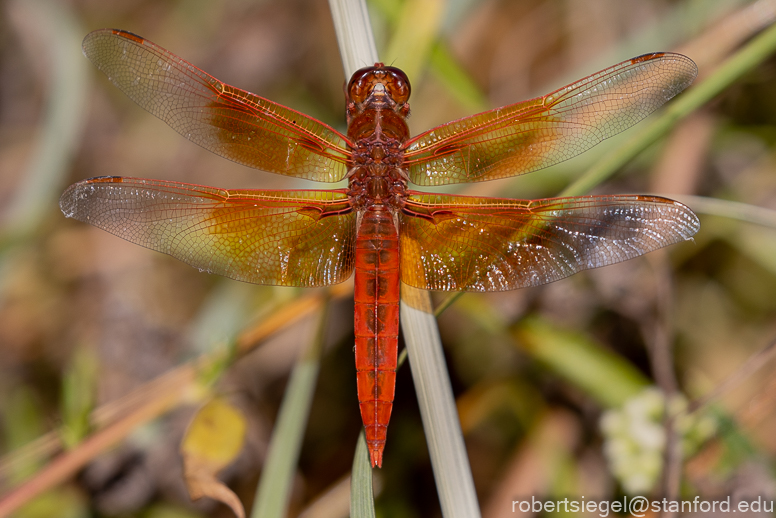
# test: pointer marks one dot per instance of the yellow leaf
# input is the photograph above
(214, 438)
(215, 434)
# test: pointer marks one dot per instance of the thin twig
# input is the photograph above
(730, 209)
(662, 359)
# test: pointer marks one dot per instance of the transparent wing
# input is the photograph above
(538, 133)
(230, 122)
(288, 238)
(461, 243)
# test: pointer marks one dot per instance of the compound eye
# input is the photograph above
(397, 84)
(361, 84)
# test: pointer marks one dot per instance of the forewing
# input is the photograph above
(538, 133)
(461, 243)
(288, 238)
(230, 122)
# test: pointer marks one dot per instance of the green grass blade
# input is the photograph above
(60, 135)
(354, 34)
(276, 477)
(457, 81)
(414, 34)
(602, 374)
(449, 460)
(735, 210)
(362, 504)
(79, 387)
(754, 53)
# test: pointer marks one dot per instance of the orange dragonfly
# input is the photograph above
(376, 226)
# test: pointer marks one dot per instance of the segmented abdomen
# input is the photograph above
(376, 323)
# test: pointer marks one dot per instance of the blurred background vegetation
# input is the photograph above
(86, 319)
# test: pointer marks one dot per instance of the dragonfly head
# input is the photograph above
(381, 84)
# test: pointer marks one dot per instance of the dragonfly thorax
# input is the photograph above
(377, 184)
(377, 126)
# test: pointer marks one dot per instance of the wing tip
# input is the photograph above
(689, 69)
(690, 223)
(69, 201)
